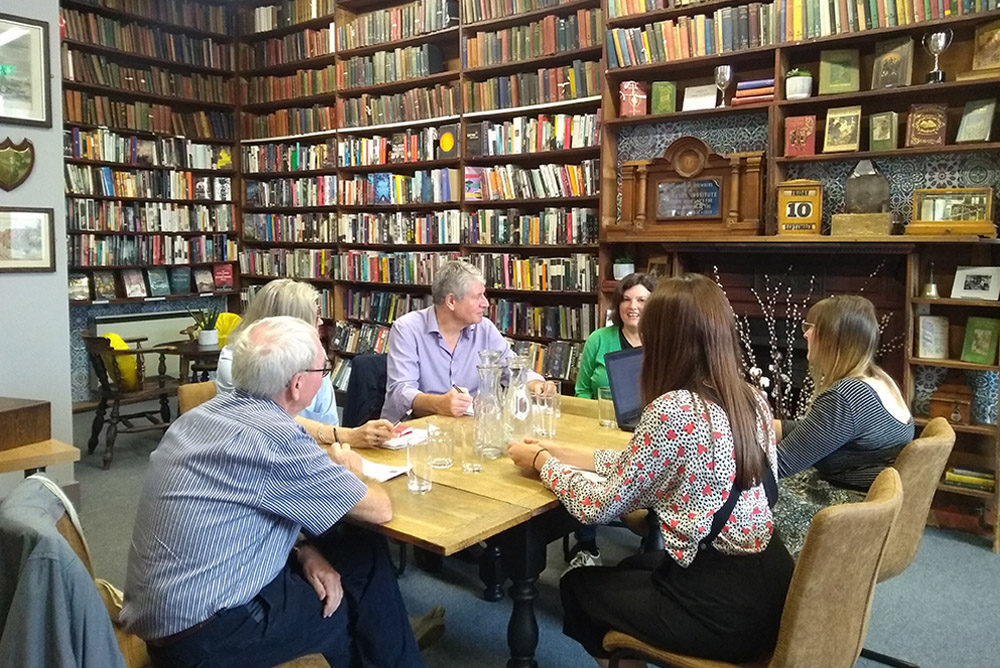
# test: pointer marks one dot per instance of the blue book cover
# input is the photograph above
(382, 182)
(612, 55)
(756, 83)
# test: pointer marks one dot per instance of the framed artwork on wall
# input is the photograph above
(25, 94)
(26, 239)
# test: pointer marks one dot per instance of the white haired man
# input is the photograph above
(216, 576)
(433, 352)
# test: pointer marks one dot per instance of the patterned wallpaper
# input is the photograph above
(79, 320)
(728, 133)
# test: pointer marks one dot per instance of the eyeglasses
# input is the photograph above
(327, 368)
(806, 326)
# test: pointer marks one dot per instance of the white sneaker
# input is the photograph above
(583, 558)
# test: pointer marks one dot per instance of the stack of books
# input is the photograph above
(970, 478)
(752, 92)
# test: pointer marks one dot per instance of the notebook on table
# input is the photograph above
(624, 369)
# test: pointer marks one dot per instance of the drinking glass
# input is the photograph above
(441, 446)
(472, 459)
(418, 476)
(556, 386)
(606, 408)
(543, 415)
(723, 77)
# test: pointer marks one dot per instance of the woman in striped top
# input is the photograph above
(858, 421)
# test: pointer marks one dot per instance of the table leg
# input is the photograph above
(491, 571)
(524, 558)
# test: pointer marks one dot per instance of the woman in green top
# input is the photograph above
(626, 308)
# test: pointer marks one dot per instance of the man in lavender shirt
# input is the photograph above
(433, 352)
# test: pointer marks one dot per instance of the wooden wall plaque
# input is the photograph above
(691, 192)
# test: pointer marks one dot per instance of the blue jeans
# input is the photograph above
(284, 621)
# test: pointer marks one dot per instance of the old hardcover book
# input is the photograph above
(632, 95)
(893, 65)
(800, 135)
(926, 125)
(977, 121)
(884, 131)
(474, 140)
(838, 71)
(664, 97)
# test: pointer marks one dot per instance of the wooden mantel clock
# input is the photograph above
(691, 193)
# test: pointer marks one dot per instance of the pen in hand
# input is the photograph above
(459, 389)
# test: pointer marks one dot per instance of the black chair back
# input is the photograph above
(365, 390)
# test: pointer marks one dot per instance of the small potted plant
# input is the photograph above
(623, 266)
(205, 321)
(798, 84)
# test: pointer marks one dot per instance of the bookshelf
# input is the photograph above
(886, 269)
(149, 108)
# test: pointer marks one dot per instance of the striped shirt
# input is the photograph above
(227, 492)
(848, 435)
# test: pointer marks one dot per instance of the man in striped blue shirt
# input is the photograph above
(215, 577)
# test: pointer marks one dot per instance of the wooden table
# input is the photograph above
(507, 507)
(191, 351)
(35, 457)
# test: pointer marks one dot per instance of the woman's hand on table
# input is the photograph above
(528, 454)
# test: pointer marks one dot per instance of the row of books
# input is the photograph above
(309, 191)
(90, 250)
(424, 186)
(110, 216)
(91, 68)
(474, 11)
(525, 134)
(399, 148)
(326, 305)
(80, 107)
(397, 23)
(415, 104)
(970, 478)
(283, 122)
(382, 307)
(544, 181)
(287, 262)
(290, 227)
(553, 322)
(341, 374)
(296, 46)
(150, 184)
(185, 13)
(302, 83)
(619, 8)
(510, 271)
(151, 42)
(549, 36)
(287, 13)
(152, 282)
(397, 227)
(550, 226)
(108, 146)
(384, 67)
(359, 338)
(402, 268)
(554, 84)
(559, 359)
(290, 157)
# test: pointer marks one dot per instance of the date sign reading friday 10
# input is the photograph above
(800, 207)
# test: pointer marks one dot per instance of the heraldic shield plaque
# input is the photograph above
(691, 192)
(16, 163)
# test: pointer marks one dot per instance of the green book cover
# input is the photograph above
(981, 341)
(664, 97)
(884, 131)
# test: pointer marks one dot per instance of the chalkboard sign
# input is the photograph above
(695, 198)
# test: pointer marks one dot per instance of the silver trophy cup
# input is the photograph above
(936, 43)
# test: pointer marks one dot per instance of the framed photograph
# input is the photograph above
(893, 66)
(27, 239)
(843, 129)
(977, 121)
(839, 71)
(25, 97)
(976, 283)
(986, 54)
(981, 341)
(658, 266)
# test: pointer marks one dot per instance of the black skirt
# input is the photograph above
(720, 607)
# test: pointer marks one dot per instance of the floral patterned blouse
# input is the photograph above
(680, 462)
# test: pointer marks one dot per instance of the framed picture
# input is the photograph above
(838, 71)
(976, 283)
(977, 121)
(987, 48)
(843, 129)
(884, 129)
(658, 266)
(980, 345)
(27, 240)
(25, 97)
(893, 66)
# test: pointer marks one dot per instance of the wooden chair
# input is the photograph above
(116, 389)
(829, 599)
(190, 395)
(920, 466)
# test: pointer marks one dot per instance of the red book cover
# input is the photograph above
(800, 135)
(632, 95)
(223, 275)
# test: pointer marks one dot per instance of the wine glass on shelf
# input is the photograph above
(723, 77)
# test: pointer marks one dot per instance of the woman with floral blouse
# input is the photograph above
(703, 460)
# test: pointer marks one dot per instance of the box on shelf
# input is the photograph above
(953, 402)
(23, 421)
(861, 224)
(800, 207)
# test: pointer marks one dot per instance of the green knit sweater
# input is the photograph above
(593, 374)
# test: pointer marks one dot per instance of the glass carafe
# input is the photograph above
(517, 401)
(488, 433)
